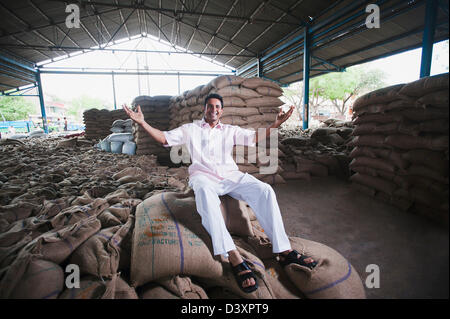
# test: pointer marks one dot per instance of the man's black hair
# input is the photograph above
(214, 96)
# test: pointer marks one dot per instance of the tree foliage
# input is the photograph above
(340, 87)
(15, 108)
(84, 102)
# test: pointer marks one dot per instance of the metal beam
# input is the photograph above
(118, 29)
(135, 73)
(32, 28)
(270, 26)
(174, 12)
(53, 48)
(196, 25)
(233, 5)
(428, 37)
(306, 62)
(261, 5)
(51, 21)
(41, 101)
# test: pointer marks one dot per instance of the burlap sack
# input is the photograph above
(100, 254)
(426, 171)
(107, 219)
(383, 95)
(269, 91)
(382, 118)
(30, 277)
(425, 85)
(74, 214)
(153, 290)
(333, 277)
(253, 83)
(226, 80)
(282, 286)
(19, 211)
(438, 99)
(377, 183)
(117, 196)
(289, 175)
(234, 120)
(432, 159)
(183, 287)
(240, 111)
(375, 163)
(238, 91)
(389, 155)
(232, 101)
(407, 142)
(57, 245)
(264, 101)
(90, 288)
(169, 239)
(227, 280)
(42, 279)
(368, 140)
(236, 215)
(12, 244)
(129, 171)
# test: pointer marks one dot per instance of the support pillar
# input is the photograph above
(306, 67)
(259, 67)
(428, 37)
(114, 91)
(41, 101)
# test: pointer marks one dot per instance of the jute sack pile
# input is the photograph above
(333, 277)
(400, 145)
(156, 113)
(252, 102)
(170, 240)
(97, 123)
(248, 102)
(176, 287)
(91, 287)
(320, 152)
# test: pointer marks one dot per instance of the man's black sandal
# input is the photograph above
(242, 277)
(292, 258)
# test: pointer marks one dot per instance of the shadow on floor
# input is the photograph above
(411, 251)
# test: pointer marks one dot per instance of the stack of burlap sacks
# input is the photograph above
(133, 231)
(170, 245)
(317, 153)
(401, 145)
(98, 122)
(156, 114)
(250, 103)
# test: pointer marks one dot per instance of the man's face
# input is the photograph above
(213, 110)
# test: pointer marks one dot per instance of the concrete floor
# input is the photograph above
(412, 252)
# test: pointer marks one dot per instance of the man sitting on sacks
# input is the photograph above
(213, 173)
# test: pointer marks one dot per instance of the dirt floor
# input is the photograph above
(412, 252)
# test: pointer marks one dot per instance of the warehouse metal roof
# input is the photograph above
(252, 36)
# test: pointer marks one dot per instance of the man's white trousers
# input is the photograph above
(258, 195)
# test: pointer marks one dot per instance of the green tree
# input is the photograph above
(15, 108)
(340, 87)
(84, 102)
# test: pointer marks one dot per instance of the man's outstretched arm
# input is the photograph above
(281, 118)
(138, 117)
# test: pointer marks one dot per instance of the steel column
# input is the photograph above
(41, 101)
(306, 62)
(428, 37)
(114, 91)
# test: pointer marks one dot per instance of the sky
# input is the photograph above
(400, 68)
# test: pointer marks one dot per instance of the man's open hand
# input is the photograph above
(137, 117)
(283, 116)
